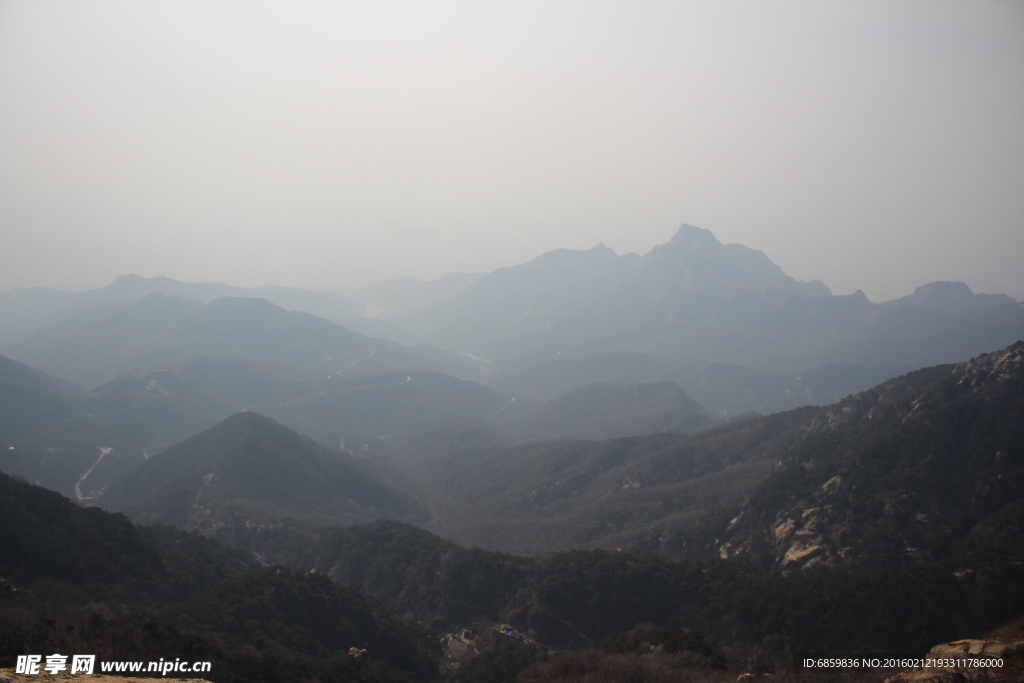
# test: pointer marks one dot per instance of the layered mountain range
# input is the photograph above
(96, 345)
(676, 341)
(907, 469)
(25, 311)
(730, 425)
(695, 299)
(722, 321)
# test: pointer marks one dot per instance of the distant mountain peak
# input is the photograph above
(693, 238)
(950, 297)
(246, 304)
(597, 254)
(697, 256)
(134, 285)
(232, 436)
(249, 425)
(249, 418)
(946, 288)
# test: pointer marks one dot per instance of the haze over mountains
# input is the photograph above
(676, 340)
(722, 321)
(26, 310)
(160, 331)
(603, 410)
(696, 299)
(695, 404)
(396, 363)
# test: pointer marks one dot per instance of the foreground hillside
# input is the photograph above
(85, 580)
(580, 598)
(552, 495)
(82, 580)
(910, 469)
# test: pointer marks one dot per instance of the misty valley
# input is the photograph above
(684, 465)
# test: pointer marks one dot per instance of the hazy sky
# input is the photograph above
(874, 145)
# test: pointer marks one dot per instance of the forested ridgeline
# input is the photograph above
(580, 598)
(83, 580)
(923, 468)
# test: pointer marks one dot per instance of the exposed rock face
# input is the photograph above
(799, 539)
(904, 470)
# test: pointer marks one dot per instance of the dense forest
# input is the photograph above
(84, 580)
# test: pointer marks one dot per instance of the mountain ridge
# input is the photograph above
(696, 299)
(604, 410)
(25, 311)
(159, 331)
(655, 491)
(250, 469)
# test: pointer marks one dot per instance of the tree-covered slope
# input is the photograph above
(250, 469)
(909, 469)
(603, 410)
(78, 579)
(579, 598)
(30, 399)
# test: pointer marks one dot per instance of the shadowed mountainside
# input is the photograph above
(250, 470)
(720, 387)
(905, 469)
(206, 601)
(579, 598)
(31, 399)
(547, 495)
(602, 410)
(384, 403)
(83, 580)
(160, 407)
